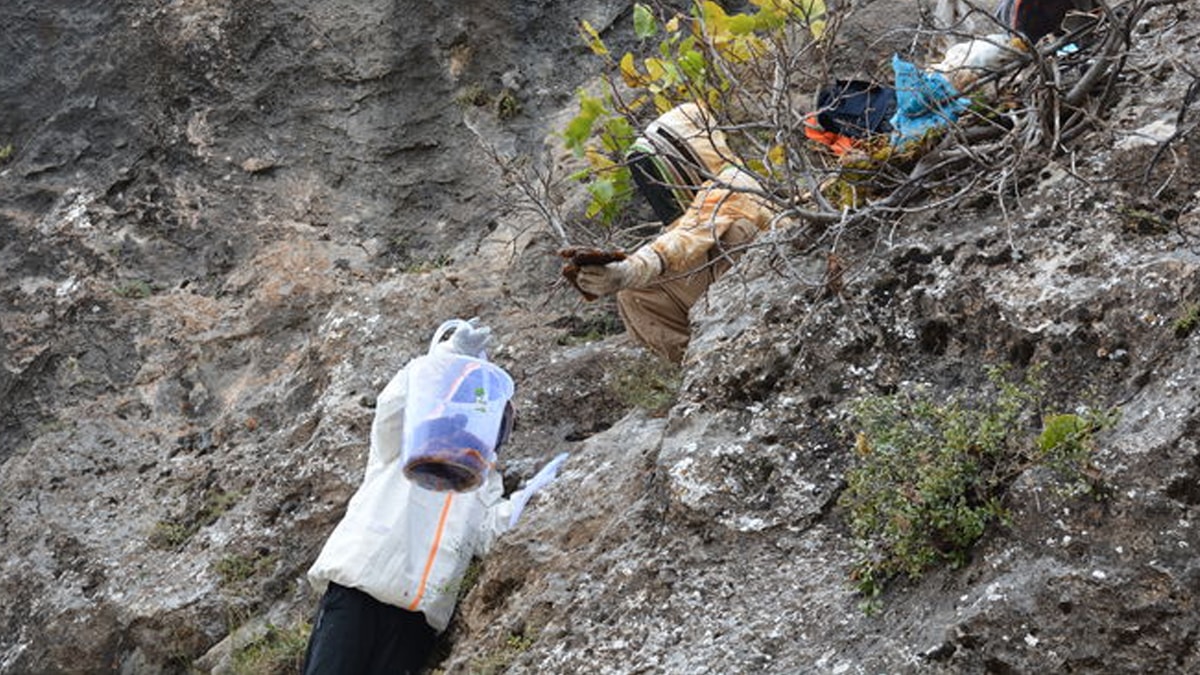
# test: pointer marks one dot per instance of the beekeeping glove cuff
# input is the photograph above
(541, 479)
(636, 271)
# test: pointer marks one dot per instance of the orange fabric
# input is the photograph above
(453, 388)
(433, 550)
(838, 143)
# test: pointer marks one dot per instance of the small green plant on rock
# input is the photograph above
(237, 567)
(582, 329)
(280, 651)
(470, 577)
(649, 383)
(507, 105)
(473, 95)
(169, 535)
(932, 474)
(173, 533)
(515, 644)
(427, 264)
(1188, 319)
(135, 289)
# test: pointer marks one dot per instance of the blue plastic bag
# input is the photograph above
(924, 101)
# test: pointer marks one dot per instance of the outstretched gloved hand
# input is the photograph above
(470, 338)
(637, 270)
(541, 479)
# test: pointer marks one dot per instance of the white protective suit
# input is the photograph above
(402, 544)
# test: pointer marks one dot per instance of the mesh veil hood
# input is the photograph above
(694, 127)
(674, 156)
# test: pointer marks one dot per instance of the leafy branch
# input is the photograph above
(757, 73)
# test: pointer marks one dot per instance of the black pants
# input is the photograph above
(355, 634)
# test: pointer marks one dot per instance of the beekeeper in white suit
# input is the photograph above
(390, 572)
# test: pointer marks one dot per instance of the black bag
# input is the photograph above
(856, 109)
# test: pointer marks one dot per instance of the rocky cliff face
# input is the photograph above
(224, 225)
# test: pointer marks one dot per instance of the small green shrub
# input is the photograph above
(427, 264)
(468, 581)
(470, 577)
(167, 534)
(932, 475)
(515, 644)
(237, 567)
(134, 290)
(572, 339)
(1188, 319)
(280, 651)
(1143, 221)
(507, 105)
(473, 95)
(216, 503)
(585, 328)
(519, 642)
(53, 425)
(411, 256)
(173, 533)
(649, 383)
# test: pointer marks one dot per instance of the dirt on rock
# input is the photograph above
(224, 225)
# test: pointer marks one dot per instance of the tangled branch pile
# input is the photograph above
(759, 74)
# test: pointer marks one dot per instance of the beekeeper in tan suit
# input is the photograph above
(712, 208)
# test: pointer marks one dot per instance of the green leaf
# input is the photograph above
(1059, 430)
(618, 135)
(693, 66)
(714, 16)
(671, 74)
(644, 25)
(579, 129)
(741, 24)
(602, 190)
(593, 39)
(812, 11)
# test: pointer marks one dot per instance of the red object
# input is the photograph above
(838, 143)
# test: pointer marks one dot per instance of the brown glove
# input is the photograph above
(578, 258)
(596, 273)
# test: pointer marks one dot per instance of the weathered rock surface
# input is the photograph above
(225, 225)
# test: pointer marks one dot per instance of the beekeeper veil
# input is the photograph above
(674, 156)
